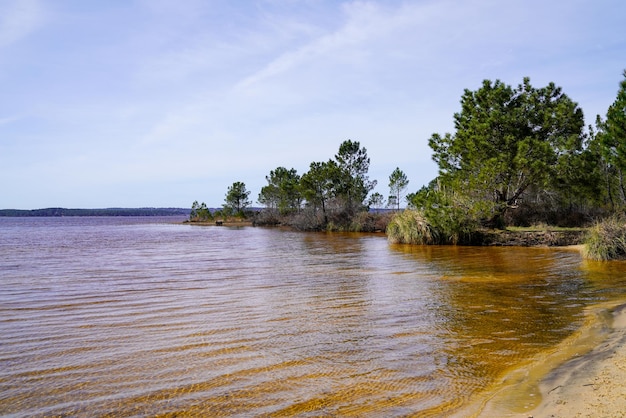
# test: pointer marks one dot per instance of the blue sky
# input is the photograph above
(124, 103)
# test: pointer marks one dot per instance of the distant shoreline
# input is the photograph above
(58, 212)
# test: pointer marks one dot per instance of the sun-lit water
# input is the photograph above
(129, 316)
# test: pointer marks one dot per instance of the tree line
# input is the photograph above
(517, 156)
(522, 155)
(330, 195)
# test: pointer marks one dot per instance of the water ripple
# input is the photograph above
(129, 317)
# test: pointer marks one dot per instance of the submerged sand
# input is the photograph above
(593, 385)
(584, 377)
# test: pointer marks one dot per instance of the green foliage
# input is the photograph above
(236, 200)
(200, 212)
(352, 184)
(376, 201)
(398, 182)
(517, 155)
(411, 227)
(318, 185)
(611, 142)
(222, 213)
(455, 219)
(507, 140)
(282, 192)
(340, 184)
(607, 240)
(615, 127)
(578, 177)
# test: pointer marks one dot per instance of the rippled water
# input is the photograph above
(129, 316)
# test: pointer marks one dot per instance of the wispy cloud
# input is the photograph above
(375, 27)
(18, 19)
(361, 24)
(7, 119)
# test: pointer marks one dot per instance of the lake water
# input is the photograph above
(144, 317)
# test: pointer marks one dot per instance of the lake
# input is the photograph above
(149, 316)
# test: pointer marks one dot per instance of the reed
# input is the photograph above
(411, 227)
(606, 240)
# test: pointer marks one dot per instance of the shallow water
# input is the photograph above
(139, 316)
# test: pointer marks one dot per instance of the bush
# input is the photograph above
(607, 240)
(370, 222)
(411, 227)
(455, 217)
(267, 217)
(306, 220)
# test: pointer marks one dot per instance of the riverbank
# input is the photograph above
(528, 237)
(512, 237)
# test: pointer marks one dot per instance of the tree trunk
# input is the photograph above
(621, 185)
(609, 190)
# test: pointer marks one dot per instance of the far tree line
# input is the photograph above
(330, 192)
(518, 155)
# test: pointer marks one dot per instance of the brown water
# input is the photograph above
(131, 317)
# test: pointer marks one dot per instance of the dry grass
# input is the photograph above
(606, 240)
(410, 227)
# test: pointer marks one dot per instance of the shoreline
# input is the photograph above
(584, 376)
(595, 384)
(219, 223)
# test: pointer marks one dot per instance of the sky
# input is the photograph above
(157, 103)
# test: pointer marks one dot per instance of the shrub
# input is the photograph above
(455, 217)
(606, 240)
(370, 222)
(267, 217)
(411, 227)
(307, 220)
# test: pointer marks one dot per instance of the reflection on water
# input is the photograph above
(104, 316)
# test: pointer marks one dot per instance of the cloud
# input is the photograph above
(7, 120)
(361, 25)
(18, 19)
(371, 32)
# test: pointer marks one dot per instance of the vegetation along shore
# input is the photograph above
(519, 157)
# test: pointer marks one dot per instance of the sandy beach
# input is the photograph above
(584, 377)
(593, 385)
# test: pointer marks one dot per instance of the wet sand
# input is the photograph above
(584, 377)
(593, 385)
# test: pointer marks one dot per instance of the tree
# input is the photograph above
(318, 184)
(353, 183)
(376, 200)
(507, 140)
(269, 196)
(194, 210)
(578, 178)
(237, 198)
(200, 212)
(398, 183)
(612, 139)
(282, 191)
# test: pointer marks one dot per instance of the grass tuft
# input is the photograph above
(606, 240)
(411, 227)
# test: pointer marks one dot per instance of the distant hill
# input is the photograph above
(97, 212)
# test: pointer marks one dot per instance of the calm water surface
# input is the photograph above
(144, 317)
